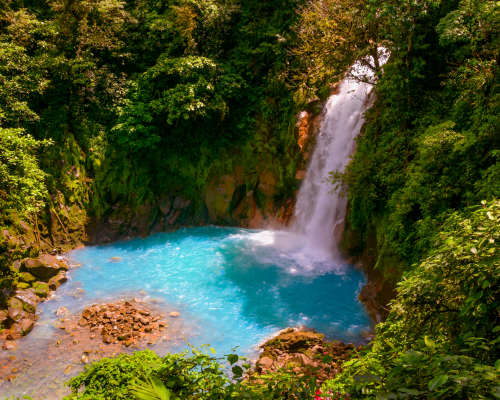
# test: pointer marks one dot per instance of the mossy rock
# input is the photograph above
(23, 285)
(26, 277)
(15, 303)
(294, 341)
(41, 289)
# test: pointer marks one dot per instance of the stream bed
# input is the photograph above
(231, 286)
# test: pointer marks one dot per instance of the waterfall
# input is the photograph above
(317, 211)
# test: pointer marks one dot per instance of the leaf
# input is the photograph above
(151, 389)
(232, 358)
(237, 370)
(327, 359)
(437, 381)
(496, 329)
(497, 365)
(212, 350)
(490, 216)
(429, 343)
(366, 378)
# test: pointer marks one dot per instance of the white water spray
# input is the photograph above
(318, 212)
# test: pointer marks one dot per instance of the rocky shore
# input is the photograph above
(304, 349)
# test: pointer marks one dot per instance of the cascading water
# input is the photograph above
(318, 211)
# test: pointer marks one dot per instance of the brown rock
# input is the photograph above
(265, 363)
(148, 328)
(15, 332)
(28, 299)
(9, 345)
(62, 310)
(145, 313)
(57, 280)
(174, 314)
(162, 323)
(15, 314)
(125, 336)
(82, 322)
(107, 339)
(3, 316)
(108, 315)
(26, 325)
(144, 321)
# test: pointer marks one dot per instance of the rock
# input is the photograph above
(9, 345)
(164, 205)
(85, 359)
(295, 341)
(15, 266)
(57, 280)
(26, 277)
(82, 322)
(15, 314)
(162, 323)
(144, 321)
(107, 339)
(41, 289)
(265, 363)
(145, 313)
(15, 303)
(180, 203)
(174, 314)
(108, 315)
(15, 332)
(45, 266)
(23, 285)
(148, 328)
(26, 325)
(88, 313)
(62, 311)
(28, 299)
(125, 336)
(3, 316)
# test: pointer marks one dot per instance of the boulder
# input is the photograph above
(26, 277)
(15, 314)
(88, 313)
(28, 299)
(265, 363)
(57, 280)
(41, 289)
(15, 303)
(9, 345)
(180, 203)
(26, 325)
(15, 332)
(295, 341)
(22, 285)
(45, 266)
(174, 314)
(16, 266)
(3, 316)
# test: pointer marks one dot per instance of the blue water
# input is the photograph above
(240, 285)
(232, 287)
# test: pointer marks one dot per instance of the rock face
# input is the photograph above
(303, 350)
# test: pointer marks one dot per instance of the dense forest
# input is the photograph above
(144, 96)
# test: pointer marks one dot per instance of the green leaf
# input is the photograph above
(437, 381)
(429, 343)
(151, 389)
(496, 329)
(367, 378)
(237, 370)
(232, 358)
(327, 359)
(212, 350)
(497, 365)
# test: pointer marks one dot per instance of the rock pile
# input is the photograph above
(120, 322)
(303, 350)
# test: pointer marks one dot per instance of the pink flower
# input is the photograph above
(317, 397)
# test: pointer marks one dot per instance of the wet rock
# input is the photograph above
(16, 266)
(41, 289)
(125, 336)
(108, 315)
(58, 280)
(15, 332)
(107, 338)
(88, 313)
(28, 299)
(26, 325)
(62, 311)
(174, 314)
(82, 322)
(15, 314)
(164, 204)
(145, 313)
(9, 345)
(144, 321)
(85, 359)
(15, 303)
